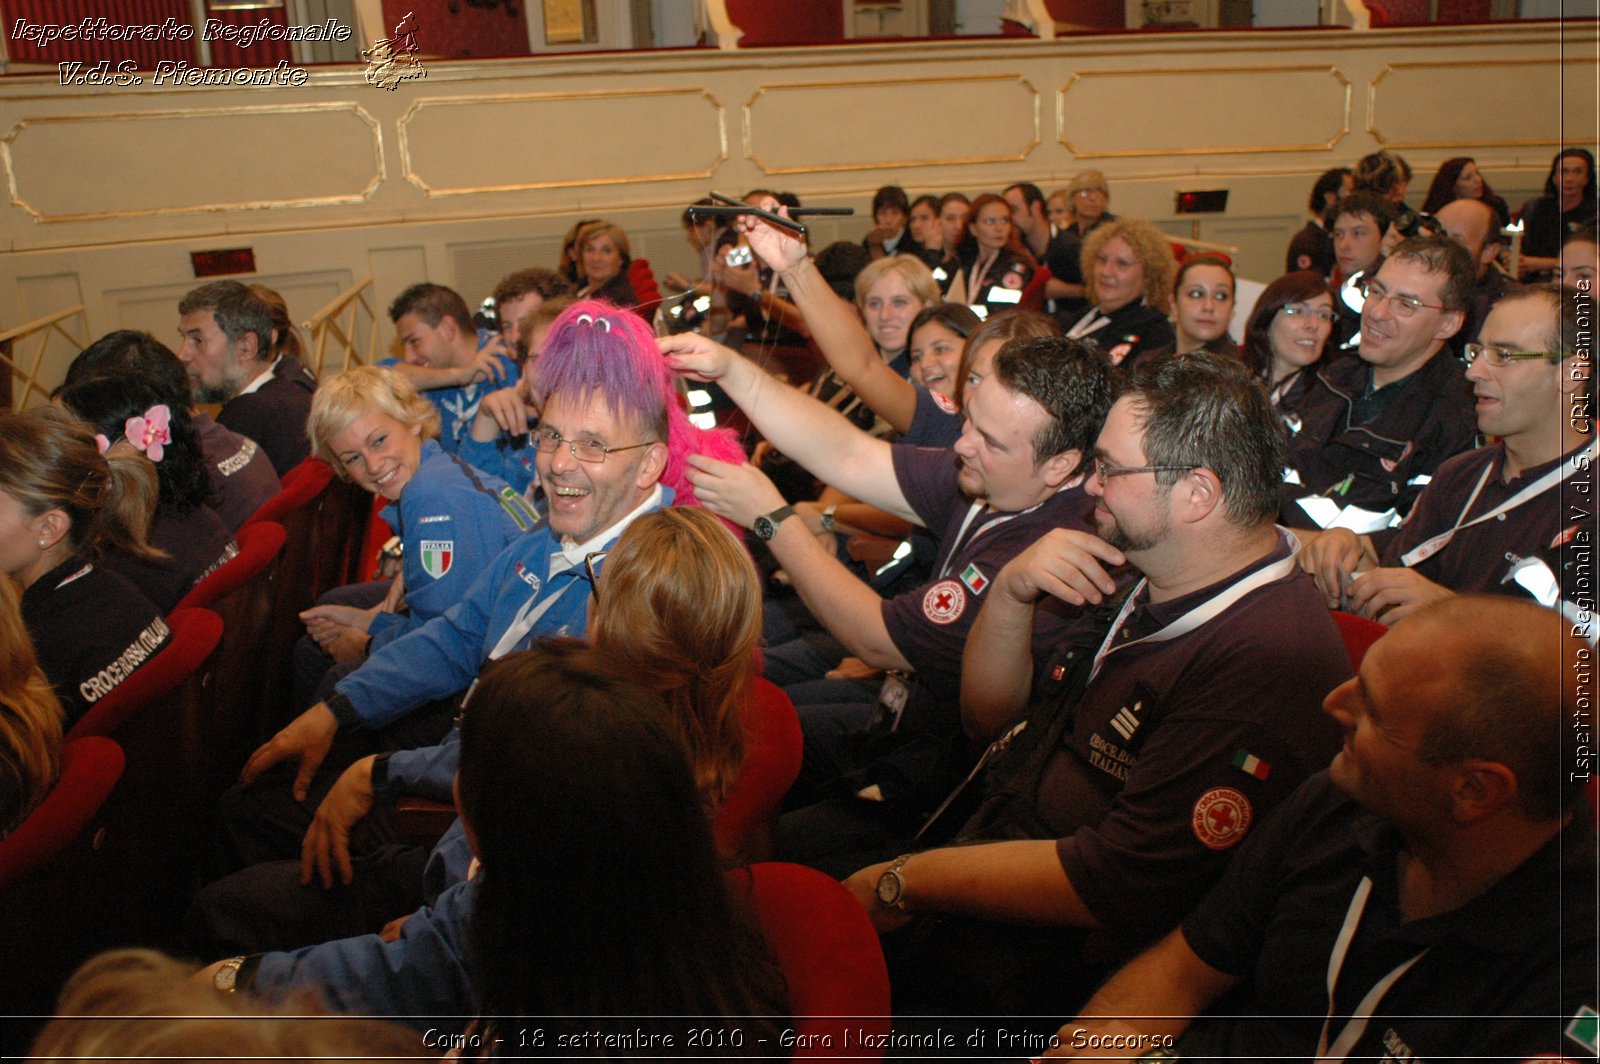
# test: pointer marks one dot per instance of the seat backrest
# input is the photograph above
(195, 634)
(645, 289)
(772, 751)
(90, 768)
(300, 485)
(260, 542)
(1359, 634)
(828, 950)
(1033, 295)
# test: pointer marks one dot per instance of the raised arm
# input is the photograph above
(807, 430)
(835, 327)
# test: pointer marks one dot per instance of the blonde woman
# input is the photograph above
(373, 427)
(678, 601)
(30, 719)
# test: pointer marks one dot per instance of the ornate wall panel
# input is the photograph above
(1483, 102)
(1140, 111)
(129, 164)
(800, 127)
(557, 140)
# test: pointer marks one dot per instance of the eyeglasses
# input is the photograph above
(548, 441)
(1104, 471)
(1404, 306)
(1091, 192)
(995, 220)
(1295, 310)
(590, 560)
(1501, 356)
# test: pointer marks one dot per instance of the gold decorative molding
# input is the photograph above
(1477, 92)
(157, 164)
(578, 154)
(1165, 116)
(898, 106)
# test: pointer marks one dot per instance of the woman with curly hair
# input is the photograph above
(1128, 269)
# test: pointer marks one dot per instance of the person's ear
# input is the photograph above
(51, 528)
(1481, 788)
(1198, 494)
(651, 466)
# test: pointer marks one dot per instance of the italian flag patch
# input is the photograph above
(1251, 765)
(437, 554)
(974, 579)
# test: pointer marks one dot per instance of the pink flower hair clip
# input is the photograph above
(150, 433)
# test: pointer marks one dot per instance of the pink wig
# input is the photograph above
(597, 346)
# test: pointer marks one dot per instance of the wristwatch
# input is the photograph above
(226, 978)
(827, 517)
(766, 525)
(892, 885)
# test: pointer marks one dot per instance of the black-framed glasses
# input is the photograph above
(590, 560)
(1104, 471)
(1502, 356)
(549, 441)
(1404, 306)
(1295, 310)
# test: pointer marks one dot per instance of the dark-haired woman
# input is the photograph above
(1285, 339)
(1202, 305)
(595, 902)
(241, 474)
(1459, 178)
(62, 505)
(129, 413)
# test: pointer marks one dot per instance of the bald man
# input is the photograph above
(1474, 225)
(1439, 877)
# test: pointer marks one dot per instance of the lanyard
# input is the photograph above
(1087, 324)
(528, 616)
(956, 544)
(995, 521)
(980, 270)
(1357, 1024)
(1423, 551)
(1206, 611)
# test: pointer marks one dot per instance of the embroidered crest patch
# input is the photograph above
(944, 402)
(437, 555)
(1221, 817)
(944, 602)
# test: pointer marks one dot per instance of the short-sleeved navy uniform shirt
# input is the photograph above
(929, 624)
(1178, 747)
(1502, 977)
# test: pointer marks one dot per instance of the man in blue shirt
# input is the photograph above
(450, 361)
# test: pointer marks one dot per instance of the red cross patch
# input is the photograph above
(944, 602)
(1118, 353)
(944, 402)
(1221, 817)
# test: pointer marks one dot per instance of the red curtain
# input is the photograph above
(116, 13)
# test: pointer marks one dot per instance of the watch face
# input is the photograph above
(889, 888)
(764, 527)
